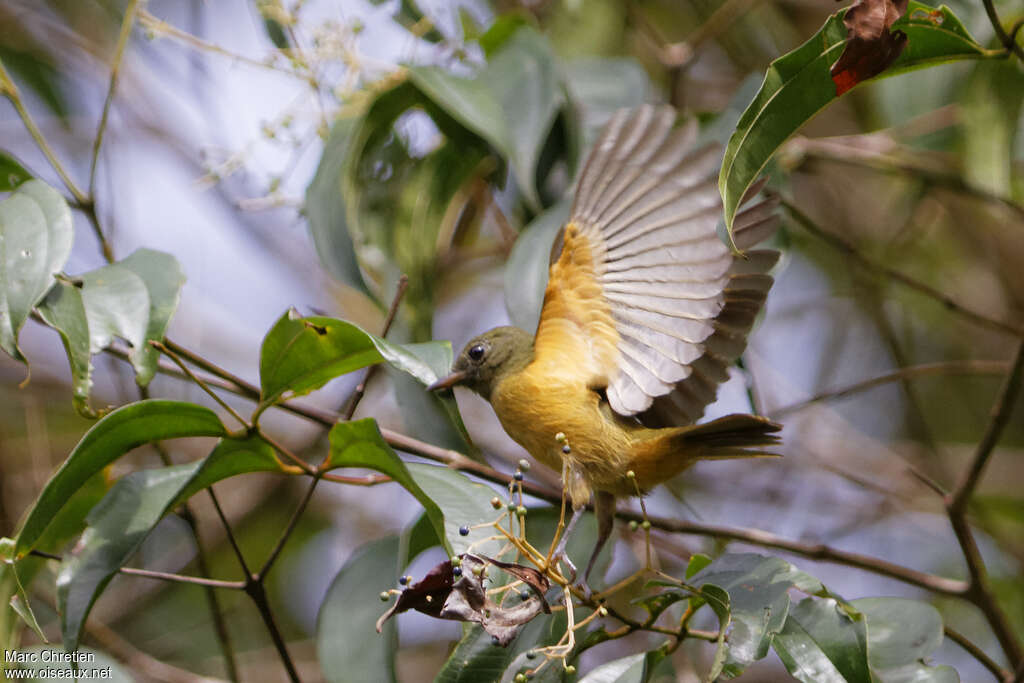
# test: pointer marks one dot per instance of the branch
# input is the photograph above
(980, 592)
(956, 367)
(1008, 41)
(999, 672)
(850, 250)
(122, 40)
(162, 576)
(256, 591)
(10, 90)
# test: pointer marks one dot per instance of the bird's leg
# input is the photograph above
(604, 509)
(646, 523)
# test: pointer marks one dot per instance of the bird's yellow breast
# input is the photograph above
(537, 404)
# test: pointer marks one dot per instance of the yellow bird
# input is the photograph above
(644, 311)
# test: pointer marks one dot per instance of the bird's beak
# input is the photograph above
(449, 381)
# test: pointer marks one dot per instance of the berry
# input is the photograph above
(646, 525)
(520, 678)
(521, 511)
(463, 530)
(524, 595)
(456, 571)
(496, 503)
(456, 561)
(631, 475)
(570, 669)
(518, 476)
(566, 449)
(560, 437)
(633, 526)
(495, 641)
(384, 596)
(531, 654)
(404, 580)
(602, 610)
(524, 465)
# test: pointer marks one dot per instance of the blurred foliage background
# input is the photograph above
(283, 152)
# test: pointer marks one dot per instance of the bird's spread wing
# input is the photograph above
(643, 296)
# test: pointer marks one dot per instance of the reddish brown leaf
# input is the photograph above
(443, 595)
(870, 46)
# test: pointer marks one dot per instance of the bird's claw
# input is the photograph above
(562, 557)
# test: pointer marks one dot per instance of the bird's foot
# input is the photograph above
(560, 556)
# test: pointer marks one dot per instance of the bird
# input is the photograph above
(644, 311)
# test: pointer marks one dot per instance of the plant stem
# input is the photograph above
(258, 593)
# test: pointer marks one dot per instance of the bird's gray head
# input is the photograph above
(487, 358)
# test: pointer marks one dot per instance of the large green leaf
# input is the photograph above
(35, 242)
(463, 503)
(64, 311)
(348, 647)
(798, 85)
(300, 355)
(325, 209)
(162, 276)
(822, 642)
(110, 438)
(116, 304)
(901, 634)
(130, 511)
(359, 444)
(525, 79)
(526, 271)
(470, 101)
(12, 173)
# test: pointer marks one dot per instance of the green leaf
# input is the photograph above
(19, 600)
(759, 601)
(46, 667)
(12, 173)
(162, 276)
(822, 643)
(116, 305)
(475, 658)
(901, 634)
(798, 85)
(325, 209)
(64, 311)
(35, 242)
(348, 647)
(130, 511)
(525, 80)
(462, 502)
(526, 271)
(626, 670)
(300, 355)
(471, 102)
(718, 600)
(503, 28)
(359, 444)
(698, 561)
(110, 438)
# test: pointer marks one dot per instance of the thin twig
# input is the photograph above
(163, 576)
(850, 250)
(999, 672)
(357, 395)
(10, 90)
(286, 452)
(956, 367)
(368, 480)
(258, 593)
(980, 591)
(230, 534)
(202, 385)
(1008, 41)
(122, 41)
(279, 546)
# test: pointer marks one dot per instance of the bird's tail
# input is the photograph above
(732, 436)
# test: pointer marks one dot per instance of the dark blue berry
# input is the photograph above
(463, 530)
(518, 476)
(495, 641)
(456, 571)
(403, 580)
(524, 595)
(566, 449)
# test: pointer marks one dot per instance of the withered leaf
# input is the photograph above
(528, 575)
(870, 46)
(443, 595)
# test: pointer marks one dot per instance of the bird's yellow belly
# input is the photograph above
(534, 411)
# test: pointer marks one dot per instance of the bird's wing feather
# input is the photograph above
(643, 297)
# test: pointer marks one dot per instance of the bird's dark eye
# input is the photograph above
(476, 352)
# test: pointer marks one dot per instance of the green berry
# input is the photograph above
(602, 610)
(560, 437)
(646, 525)
(511, 506)
(521, 510)
(633, 526)
(524, 465)
(456, 561)
(384, 596)
(570, 669)
(520, 678)
(631, 475)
